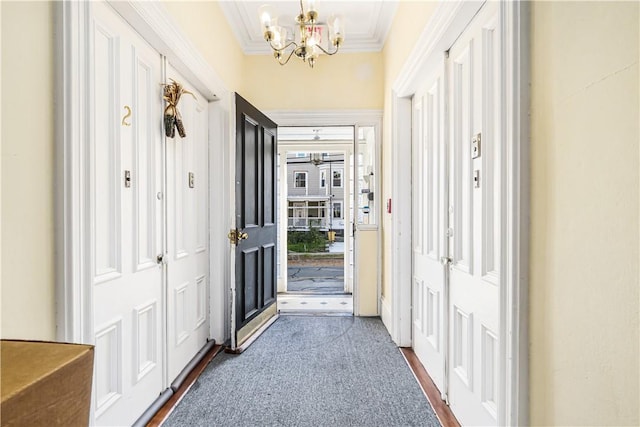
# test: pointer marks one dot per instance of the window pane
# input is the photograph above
(366, 174)
(300, 179)
(337, 178)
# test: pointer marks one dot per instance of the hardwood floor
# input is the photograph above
(164, 412)
(442, 410)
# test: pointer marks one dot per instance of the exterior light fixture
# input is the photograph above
(307, 41)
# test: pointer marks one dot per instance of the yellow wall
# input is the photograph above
(343, 81)
(408, 23)
(28, 307)
(584, 214)
(28, 276)
(206, 26)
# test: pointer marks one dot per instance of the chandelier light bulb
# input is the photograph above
(267, 16)
(307, 41)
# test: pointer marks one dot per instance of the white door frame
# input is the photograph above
(152, 21)
(448, 22)
(283, 203)
(356, 118)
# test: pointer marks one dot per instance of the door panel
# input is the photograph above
(126, 233)
(187, 224)
(255, 215)
(475, 219)
(429, 201)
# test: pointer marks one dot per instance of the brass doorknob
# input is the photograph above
(236, 235)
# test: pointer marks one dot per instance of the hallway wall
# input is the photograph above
(408, 24)
(28, 142)
(28, 305)
(584, 251)
(345, 81)
(584, 214)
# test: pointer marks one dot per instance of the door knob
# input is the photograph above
(236, 235)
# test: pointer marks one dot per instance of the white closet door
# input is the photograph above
(188, 232)
(429, 223)
(125, 219)
(476, 206)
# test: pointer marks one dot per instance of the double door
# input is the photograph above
(458, 202)
(147, 221)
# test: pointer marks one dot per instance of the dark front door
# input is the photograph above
(255, 218)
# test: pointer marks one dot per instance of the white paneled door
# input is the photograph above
(126, 219)
(147, 223)
(475, 206)
(188, 235)
(458, 177)
(429, 220)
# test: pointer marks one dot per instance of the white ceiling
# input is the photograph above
(366, 22)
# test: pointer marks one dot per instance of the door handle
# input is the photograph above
(236, 235)
(160, 259)
(445, 261)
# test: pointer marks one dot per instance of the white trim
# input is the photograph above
(152, 21)
(401, 256)
(450, 19)
(325, 117)
(355, 118)
(515, 303)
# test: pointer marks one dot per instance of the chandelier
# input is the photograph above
(307, 41)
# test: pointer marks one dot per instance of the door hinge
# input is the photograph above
(236, 235)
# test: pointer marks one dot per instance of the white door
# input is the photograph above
(476, 206)
(125, 219)
(429, 223)
(188, 232)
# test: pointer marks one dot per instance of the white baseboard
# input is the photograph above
(387, 320)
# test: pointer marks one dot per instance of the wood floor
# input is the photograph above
(164, 412)
(441, 409)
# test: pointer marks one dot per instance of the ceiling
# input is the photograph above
(366, 22)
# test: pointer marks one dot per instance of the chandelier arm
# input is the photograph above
(283, 48)
(288, 58)
(326, 51)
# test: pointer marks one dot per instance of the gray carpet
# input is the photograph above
(309, 371)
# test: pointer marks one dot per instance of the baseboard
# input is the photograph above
(387, 320)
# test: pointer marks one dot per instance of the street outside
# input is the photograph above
(317, 273)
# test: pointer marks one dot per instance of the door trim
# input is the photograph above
(448, 22)
(153, 23)
(356, 118)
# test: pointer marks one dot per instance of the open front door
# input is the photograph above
(255, 218)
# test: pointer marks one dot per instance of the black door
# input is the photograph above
(256, 286)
